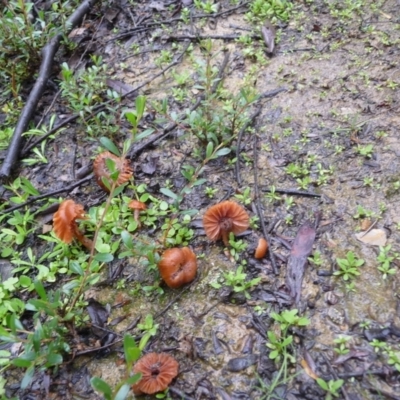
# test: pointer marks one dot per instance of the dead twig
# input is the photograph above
(293, 192)
(258, 206)
(35, 95)
(205, 37)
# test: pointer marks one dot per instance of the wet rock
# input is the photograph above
(336, 315)
(379, 334)
(241, 363)
(248, 345)
(331, 298)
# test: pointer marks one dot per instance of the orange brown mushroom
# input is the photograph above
(178, 266)
(64, 223)
(137, 206)
(261, 249)
(158, 370)
(101, 171)
(223, 218)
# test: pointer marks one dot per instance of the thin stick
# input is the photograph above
(294, 192)
(258, 206)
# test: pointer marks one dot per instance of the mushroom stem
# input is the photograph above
(225, 238)
(136, 217)
(82, 238)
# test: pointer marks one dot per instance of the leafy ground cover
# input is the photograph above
(290, 109)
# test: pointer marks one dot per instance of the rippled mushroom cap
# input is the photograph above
(64, 220)
(223, 218)
(158, 370)
(137, 205)
(178, 266)
(101, 171)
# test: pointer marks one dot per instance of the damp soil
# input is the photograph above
(337, 85)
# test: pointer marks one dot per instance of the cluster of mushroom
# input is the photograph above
(177, 266)
(64, 220)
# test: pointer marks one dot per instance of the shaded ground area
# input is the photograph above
(313, 136)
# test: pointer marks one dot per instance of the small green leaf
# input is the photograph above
(27, 377)
(76, 268)
(323, 384)
(130, 115)
(25, 281)
(110, 146)
(134, 379)
(104, 257)
(28, 187)
(209, 150)
(222, 152)
(132, 352)
(127, 239)
(102, 387)
(53, 359)
(140, 106)
(168, 193)
(72, 284)
(102, 247)
(122, 392)
(119, 189)
(40, 290)
(199, 182)
(144, 134)
(21, 363)
(106, 182)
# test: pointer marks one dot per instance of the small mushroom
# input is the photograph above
(261, 249)
(223, 218)
(158, 370)
(64, 223)
(101, 171)
(178, 266)
(137, 206)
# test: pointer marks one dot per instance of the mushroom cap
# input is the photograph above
(158, 370)
(121, 164)
(137, 205)
(261, 249)
(224, 218)
(178, 266)
(64, 220)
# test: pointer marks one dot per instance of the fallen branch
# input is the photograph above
(48, 52)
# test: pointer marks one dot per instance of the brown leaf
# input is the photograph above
(375, 237)
(308, 370)
(301, 249)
